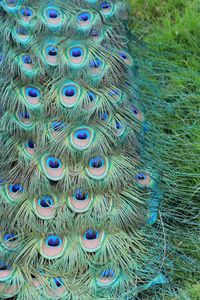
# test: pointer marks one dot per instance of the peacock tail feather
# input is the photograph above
(83, 173)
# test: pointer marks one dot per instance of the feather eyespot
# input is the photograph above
(126, 58)
(82, 138)
(144, 180)
(3, 266)
(137, 113)
(97, 34)
(10, 237)
(97, 167)
(57, 128)
(54, 241)
(58, 281)
(104, 116)
(56, 289)
(76, 56)
(24, 118)
(27, 63)
(89, 101)
(91, 240)
(80, 196)
(119, 128)
(32, 96)
(80, 201)
(29, 148)
(84, 19)
(16, 188)
(115, 94)
(69, 94)
(106, 8)
(51, 55)
(10, 240)
(22, 34)
(53, 16)
(37, 282)
(92, 96)
(53, 163)
(14, 191)
(31, 144)
(58, 125)
(96, 66)
(27, 59)
(107, 273)
(53, 168)
(52, 247)
(106, 278)
(11, 5)
(26, 14)
(45, 207)
(90, 234)
(45, 202)
(5, 271)
(96, 162)
(22, 31)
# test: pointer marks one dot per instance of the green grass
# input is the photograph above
(171, 61)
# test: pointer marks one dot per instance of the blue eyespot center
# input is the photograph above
(11, 1)
(3, 266)
(53, 13)
(81, 196)
(123, 55)
(76, 52)
(84, 16)
(26, 12)
(82, 134)
(31, 144)
(105, 5)
(113, 92)
(95, 63)
(54, 241)
(58, 125)
(24, 115)
(58, 281)
(118, 125)
(32, 92)
(70, 91)
(109, 273)
(11, 237)
(16, 188)
(22, 30)
(134, 110)
(54, 163)
(94, 32)
(52, 51)
(140, 176)
(27, 59)
(91, 96)
(45, 201)
(103, 116)
(96, 162)
(90, 234)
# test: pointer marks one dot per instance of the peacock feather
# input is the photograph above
(81, 185)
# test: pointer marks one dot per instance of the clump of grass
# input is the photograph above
(169, 32)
